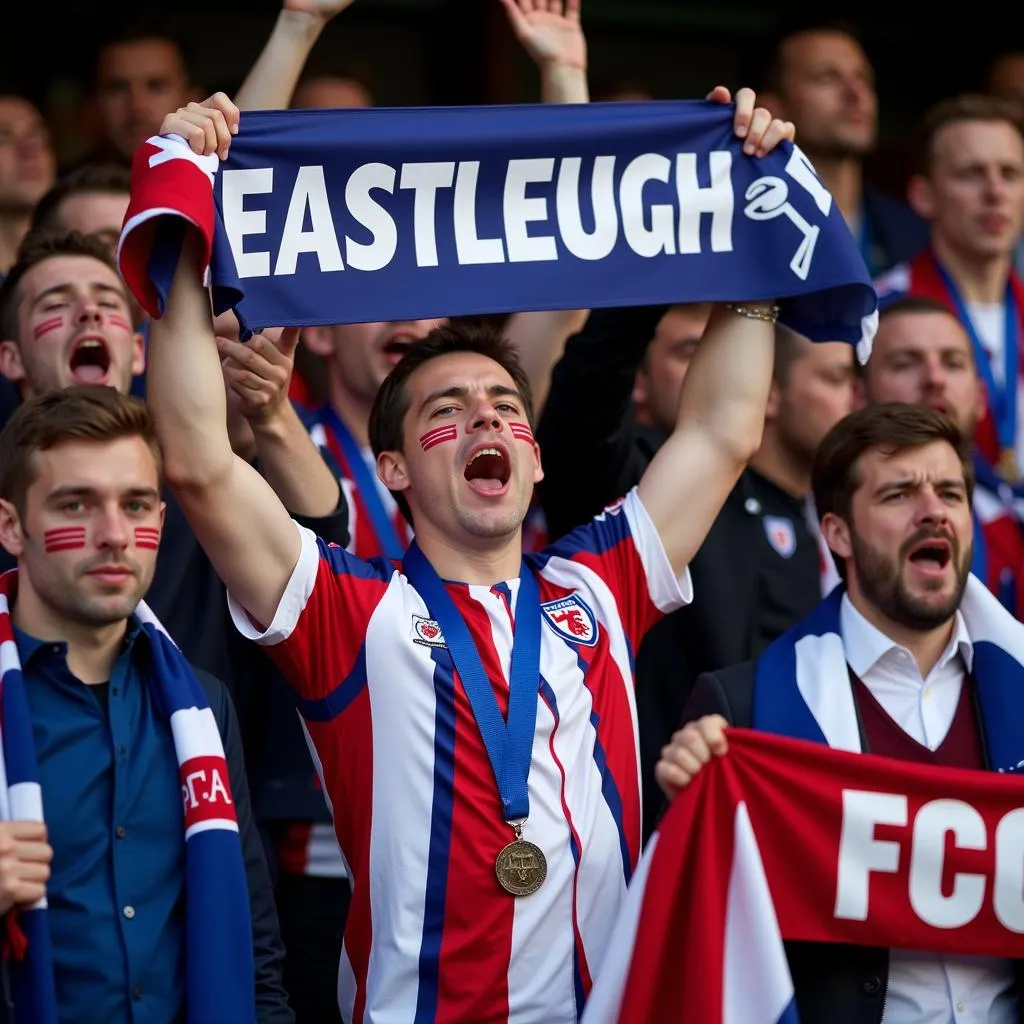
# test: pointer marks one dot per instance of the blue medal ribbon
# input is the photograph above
(509, 744)
(1002, 401)
(366, 485)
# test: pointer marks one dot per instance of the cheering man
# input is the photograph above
(490, 825)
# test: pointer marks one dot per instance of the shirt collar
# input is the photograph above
(865, 644)
(30, 646)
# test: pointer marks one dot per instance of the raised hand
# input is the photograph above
(207, 126)
(258, 372)
(549, 31)
(755, 124)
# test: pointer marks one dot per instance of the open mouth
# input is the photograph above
(931, 555)
(396, 347)
(488, 470)
(90, 361)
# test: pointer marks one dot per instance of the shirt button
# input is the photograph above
(137, 991)
(960, 1006)
(129, 912)
(871, 985)
(121, 750)
(752, 506)
(120, 831)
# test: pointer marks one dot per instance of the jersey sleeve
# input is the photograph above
(623, 549)
(317, 637)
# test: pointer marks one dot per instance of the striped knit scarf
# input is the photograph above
(219, 971)
(802, 687)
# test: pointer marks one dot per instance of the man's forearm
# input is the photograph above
(291, 464)
(185, 388)
(272, 79)
(560, 83)
(726, 387)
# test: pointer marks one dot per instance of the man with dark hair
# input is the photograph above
(65, 317)
(969, 186)
(449, 813)
(884, 665)
(146, 914)
(817, 75)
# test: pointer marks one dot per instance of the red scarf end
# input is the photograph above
(14, 943)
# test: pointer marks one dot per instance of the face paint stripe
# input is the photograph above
(65, 538)
(147, 537)
(522, 432)
(438, 436)
(116, 320)
(47, 325)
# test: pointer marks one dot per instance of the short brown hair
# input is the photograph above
(36, 248)
(957, 110)
(892, 427)
(457, 335)
(86, 412)
(87, 179)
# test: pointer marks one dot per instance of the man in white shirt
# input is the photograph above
(893, 485)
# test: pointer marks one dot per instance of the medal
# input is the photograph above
(521, 866)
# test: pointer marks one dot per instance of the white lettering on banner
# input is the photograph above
(542, 211)
(368, 212)
(310, 193)
(425, 180)
(936, 824)
(239, 222)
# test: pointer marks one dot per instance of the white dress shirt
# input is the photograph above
(925, 988)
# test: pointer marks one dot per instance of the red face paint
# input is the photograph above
(439, 435)
(47, 325)
(116, 320)
(66, 538)
(521, 432)
(147, 537)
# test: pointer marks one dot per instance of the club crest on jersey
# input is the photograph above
(427, 632)
(571, 619)
(780, 534)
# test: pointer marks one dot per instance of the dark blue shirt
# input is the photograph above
(113, 807)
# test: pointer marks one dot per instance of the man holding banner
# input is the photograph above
(476, 738)
(914, 660)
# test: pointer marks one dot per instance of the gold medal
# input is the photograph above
(521, 866)
(1007, 466)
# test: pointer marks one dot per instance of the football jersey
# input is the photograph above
(431, 936)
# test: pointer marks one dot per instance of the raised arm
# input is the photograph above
(240, 522)
(272, 79)
(258, 374)
(552, 35)
(724, 395)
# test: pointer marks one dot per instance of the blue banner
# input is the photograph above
(343, 216)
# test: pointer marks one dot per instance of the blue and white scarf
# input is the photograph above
(219, 970)
(349, 216)
(802, 684)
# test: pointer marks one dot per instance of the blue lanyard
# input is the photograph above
(1002, 401)
(366, 485)
(509, 746)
